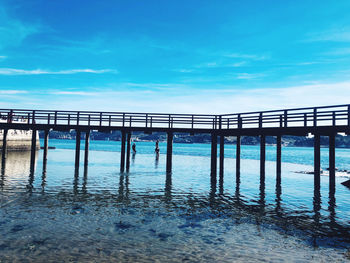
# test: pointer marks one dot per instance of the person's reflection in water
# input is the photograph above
(133, 158)
(156, 162)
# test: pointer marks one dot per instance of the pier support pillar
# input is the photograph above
(169, 152)
(4, 144)
(87, 145)
(33, 151)
(214, 152)
(128, 142)
(222, 155)
(46, 147)
(278, 157)
(4, 150)
(122, 153)
(77, 149)
(238, 158)
(317, 160)
(332, 163)
(262, 156)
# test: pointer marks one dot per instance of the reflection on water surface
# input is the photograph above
(148, 215)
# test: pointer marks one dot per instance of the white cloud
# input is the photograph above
(249, 75)
(13, 31)
(334, 35)
(80, 93)
(182, 99)
(247, 56)
(11, 92)
(3, 57)
(12, 71)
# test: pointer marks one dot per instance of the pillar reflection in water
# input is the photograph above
(123, 190)
(17, 165)
(332, 206)
(278, 196)
(167, 189)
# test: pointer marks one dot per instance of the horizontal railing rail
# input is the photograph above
(336, 115)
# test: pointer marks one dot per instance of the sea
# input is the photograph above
(97, 214)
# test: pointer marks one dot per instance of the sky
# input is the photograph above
(193, 56)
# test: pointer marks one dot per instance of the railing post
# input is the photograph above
(130, 121)
(68, 119)
(146, 120)
(240, 124)
(9, 120)
(151, 122)
(333, 118)
(169, 121)
(123, 119)
(192, 122)
(27, 117)
(78, 116)
(89, 119)
(348, 115)
(33, 117)
(100, 118)
(315, 117)
(305, 119)
(110, 120)
(228, 123)
(285, 119)
(48, 118)
(220, 122)
(55, 117)
(281, 121)
(260, 120)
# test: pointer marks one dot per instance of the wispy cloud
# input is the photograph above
(249, 75)
(3, 57)
(333, 35)
(13, 71)
(79, 93)
(12, 92)
(13, 31)
(246, 56)
(338, 52)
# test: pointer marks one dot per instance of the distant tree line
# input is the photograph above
(299, 141)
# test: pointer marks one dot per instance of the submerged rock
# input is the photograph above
(346, 183)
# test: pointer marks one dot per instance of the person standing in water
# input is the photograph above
(156, 150)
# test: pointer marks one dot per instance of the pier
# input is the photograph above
(317, 121)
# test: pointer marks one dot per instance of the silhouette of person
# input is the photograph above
(156, 150)
(133, 148)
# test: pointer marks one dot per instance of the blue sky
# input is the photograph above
(174, 56)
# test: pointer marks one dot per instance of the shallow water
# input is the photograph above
(146, 215)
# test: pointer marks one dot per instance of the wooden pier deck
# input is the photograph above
(318, 121)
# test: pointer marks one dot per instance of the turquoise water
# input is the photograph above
(298, 155)
(146, 215)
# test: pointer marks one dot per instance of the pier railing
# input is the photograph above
(110, 119)
(299, 117)
(338, 115)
